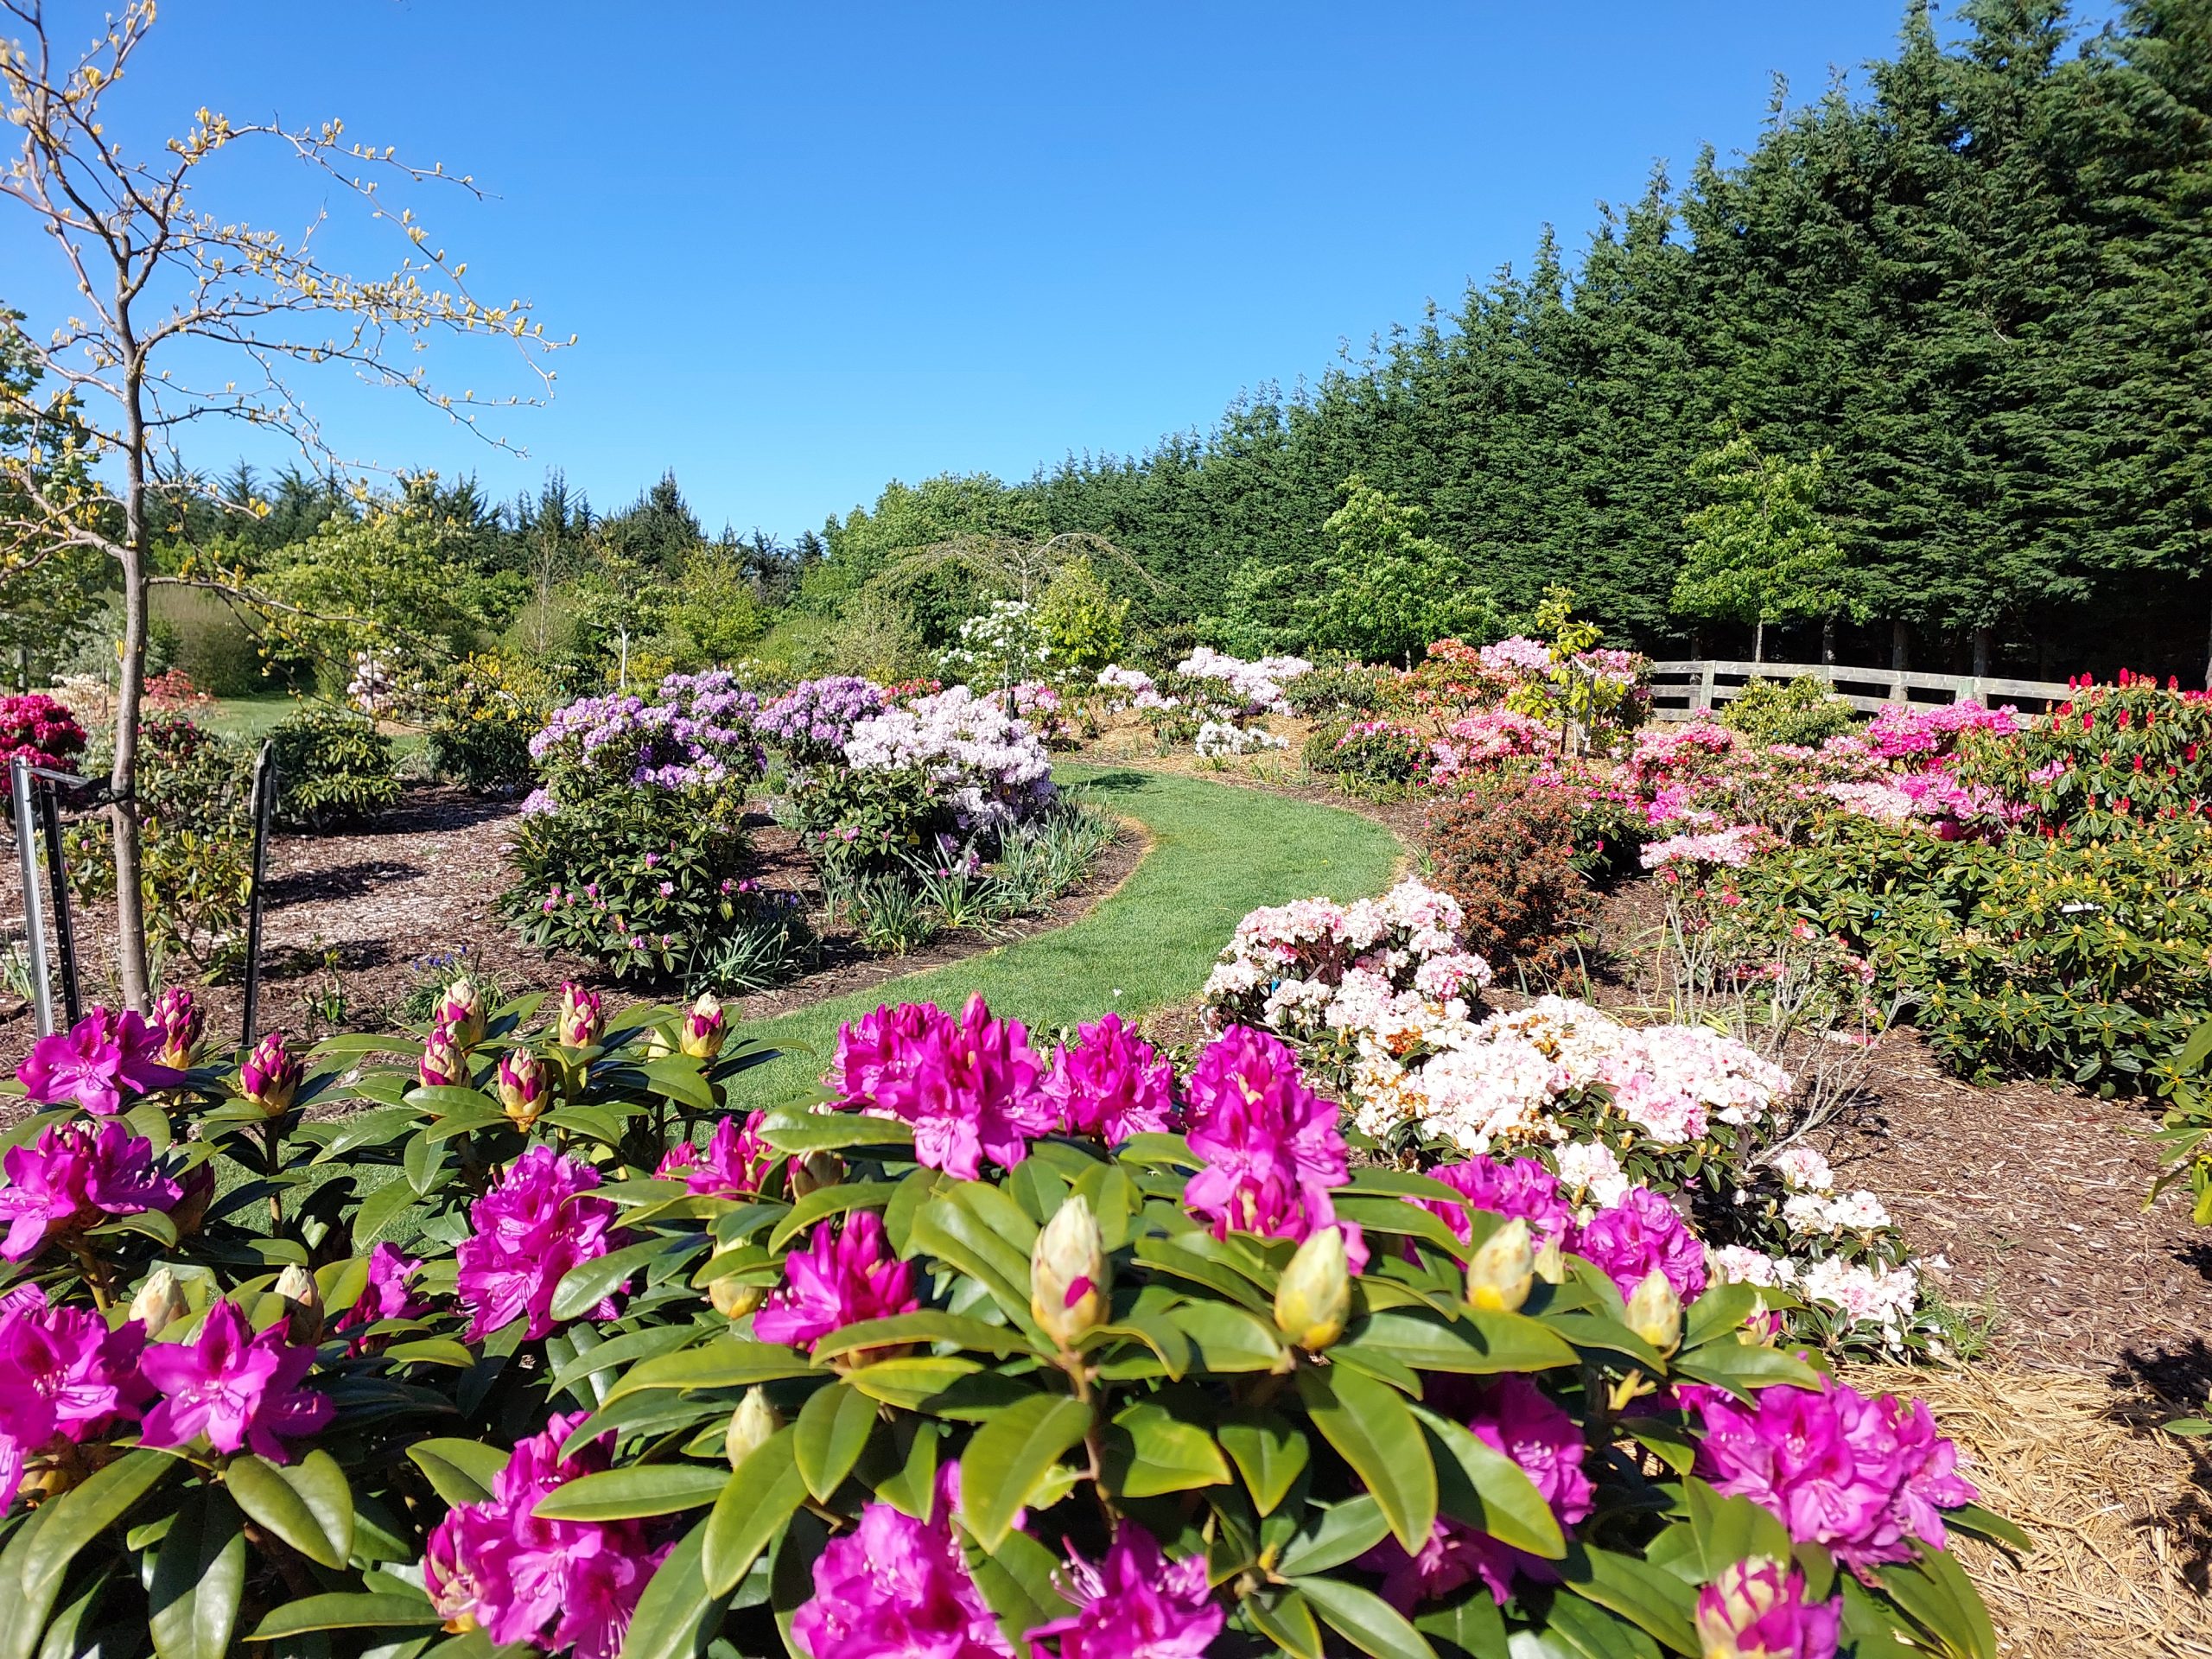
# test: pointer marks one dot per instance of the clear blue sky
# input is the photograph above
(809, 248)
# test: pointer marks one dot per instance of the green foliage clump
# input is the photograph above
(1340, 689)
(1802, 711)
(482, 713)
(334, 768)
(1371, 754)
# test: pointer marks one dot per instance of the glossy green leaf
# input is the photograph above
(306, 1503)
(1284, 1618)
(1008, 1454)
(1374, 1431)
(590, 1283)
(1150, 1450)
(751, 1511)
(678, 1611)
(725, 1362)
(1229, 1338)
(37, 1558)
(1487, 1490)
(460, 1471)
(1020, 1583)
(910, 1382)
(192, 1599)
(1478, 1344)
(384, 1610)
(1651, 1597)
(1731, 1529)
(1365, 1620)
(1268, 1453)
(825, 1202)
(1473, 1626)
(928, 1326)
(827, 1438)
(1743, 1369)
(643, 1489)
(800, 1133)
(1934, 1590)
(1333, 1534)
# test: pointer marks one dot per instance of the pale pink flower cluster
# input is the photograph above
(1867, 1293)
(993, 763)
(1519, 656)
(1668, 754)
(1131, 688)
(1258, 683)
(1487, 740)
(1731, 847)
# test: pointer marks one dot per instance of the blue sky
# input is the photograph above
(809, 248)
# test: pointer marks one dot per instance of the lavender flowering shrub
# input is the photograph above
(506, 1335)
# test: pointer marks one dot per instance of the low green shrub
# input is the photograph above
(1379, 754)
(333, 769)
(1347, 689)
(1803, 712)
(479, 715)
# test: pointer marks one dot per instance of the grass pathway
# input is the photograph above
(1217, 851)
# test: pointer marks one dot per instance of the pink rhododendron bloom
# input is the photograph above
(95, 1062)
(1860, 1476)
(1111, 1084)
(238, 1387)
(1270, 1146)
(1640, 1233)
(1756, 1610)
(64, 1377)
(1516, 1418)
(969, 1086)
(733, 1164)
(75, 1176)
(525, 1234)
(555, 1585)
(843, 1275)
(388, 1296)
(1509, 1187)
(897, 1588)
(1136, 1603)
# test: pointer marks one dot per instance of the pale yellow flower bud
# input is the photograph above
(1551, 1262)
(1069, 1278)
(733, 1298)
(751, 1425)
(1314, 1299)
(302, 1298)
(160, 1302)
(1655, 1312)
(1501, 1274)
(816, 1169)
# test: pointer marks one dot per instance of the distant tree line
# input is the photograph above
(1972, 309)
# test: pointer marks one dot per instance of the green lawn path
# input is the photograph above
(1217, 851)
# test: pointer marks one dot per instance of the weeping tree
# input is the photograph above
(188, 313)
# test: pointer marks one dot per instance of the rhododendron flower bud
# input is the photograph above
(444, 1063)
(461, 1008)
(704, 1029)
(1756, 1610)
(270, 1076)
(1068, 1274)
(733, 1298)
(578, 1017)
(751, 1425)
(197, 1192)
(524, 1085)
(1314, 1300)
(179, 1020)
(1655, 1312)
(816, 1169)
(1551, 1262)
(1501, 1274)
(160, 1302)
(303, 1298)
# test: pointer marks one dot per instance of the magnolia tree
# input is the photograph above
(189, 314)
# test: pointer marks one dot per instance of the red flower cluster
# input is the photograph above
(39, 729)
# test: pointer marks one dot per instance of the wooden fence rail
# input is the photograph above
(1683, 689)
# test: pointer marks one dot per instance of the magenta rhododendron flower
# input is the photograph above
(1756, 1610)
(1516, 1418)
(74, 1176)
(897, 1588)
(64, 1377)
(1111, 1084)
(95, 1062)
(236, 1386)
(844, 1275)
(555, 1585)
(525, 1234)
(1270, 1146)
(733, 1164)
(1136, 1603)
(178, 1021)
(270, 1077)
(969, 1086)
(1859, 1476)
(1641, 1232)
(1509, 1187)
(388, 1295)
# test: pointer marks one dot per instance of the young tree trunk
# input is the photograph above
(1827, 640)
(1758, 640)
(1900, 647)
(123, 778)
(1984, 638)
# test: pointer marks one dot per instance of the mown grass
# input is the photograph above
(1217, 851)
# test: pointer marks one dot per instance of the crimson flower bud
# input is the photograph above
(578, 1017)
(270, 1076)
(444, 1063)
(179, 1018)
(704, 1029)
(523, 1084)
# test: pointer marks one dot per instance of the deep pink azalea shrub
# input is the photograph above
(522, 1332)
(44, 732)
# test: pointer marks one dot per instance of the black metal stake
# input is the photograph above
(264, 806)
(57, 881)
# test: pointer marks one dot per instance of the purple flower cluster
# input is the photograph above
(970, 1086)
(555, 1585)
(1511, 1188)
(846, 1274)
(1516, 1418)
(899, 1588)
(388, 1295)
(95, 1061)
(697, 730)
(75, 1176)
(238, 1387)
(1860, 1476)
(1111, 1084)
(810, 722)
(524, 1234)
(1641, 1232)
(1269, 1146)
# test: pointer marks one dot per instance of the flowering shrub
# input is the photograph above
(1803, 712)
(1216, 739)
(1001, 647)
(40, 730)
(1375, 753)
(1258, 685)
(809, 723)
(480, 713)
(988, 765)
(697, 731)
(1200, 1385)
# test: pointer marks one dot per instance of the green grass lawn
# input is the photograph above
(247, 719)
(1218, 852)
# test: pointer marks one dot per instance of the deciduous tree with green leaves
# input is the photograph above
(1760, 551)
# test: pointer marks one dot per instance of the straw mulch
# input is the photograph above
(2120, 1513)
